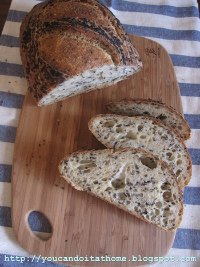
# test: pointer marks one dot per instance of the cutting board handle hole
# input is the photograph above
(39, 225)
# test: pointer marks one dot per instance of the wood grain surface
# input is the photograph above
(82, 224)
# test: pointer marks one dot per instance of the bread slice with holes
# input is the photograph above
(130, 179)
(116, 131)
(156, 109)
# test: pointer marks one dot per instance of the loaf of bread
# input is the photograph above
(116, 131)
(130, 179)
(156, 109)
(73, 46)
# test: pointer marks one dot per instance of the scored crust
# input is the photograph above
(74, 27)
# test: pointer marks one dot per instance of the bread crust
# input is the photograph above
(189, 166)
(125, 101)
(45, 67)
(137, 150)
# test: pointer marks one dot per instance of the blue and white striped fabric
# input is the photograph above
(173, 23)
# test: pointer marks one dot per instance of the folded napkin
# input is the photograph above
(174, 24)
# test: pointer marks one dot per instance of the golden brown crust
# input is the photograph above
(88, 54)
(84, 31)
(137, 150)
(187, 132)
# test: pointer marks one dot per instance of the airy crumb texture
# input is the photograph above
(156, 109)
(116, 131)
(73, 46)
(131, 179)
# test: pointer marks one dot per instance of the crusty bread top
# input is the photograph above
(116, 131)
(63, 38)
(130, 179)
(157, 109)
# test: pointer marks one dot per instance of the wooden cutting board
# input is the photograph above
(83, 225)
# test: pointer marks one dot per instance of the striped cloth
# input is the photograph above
(173, 23)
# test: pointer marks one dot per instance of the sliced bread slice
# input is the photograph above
(156, 109)
(116, 131)
(130, 179)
